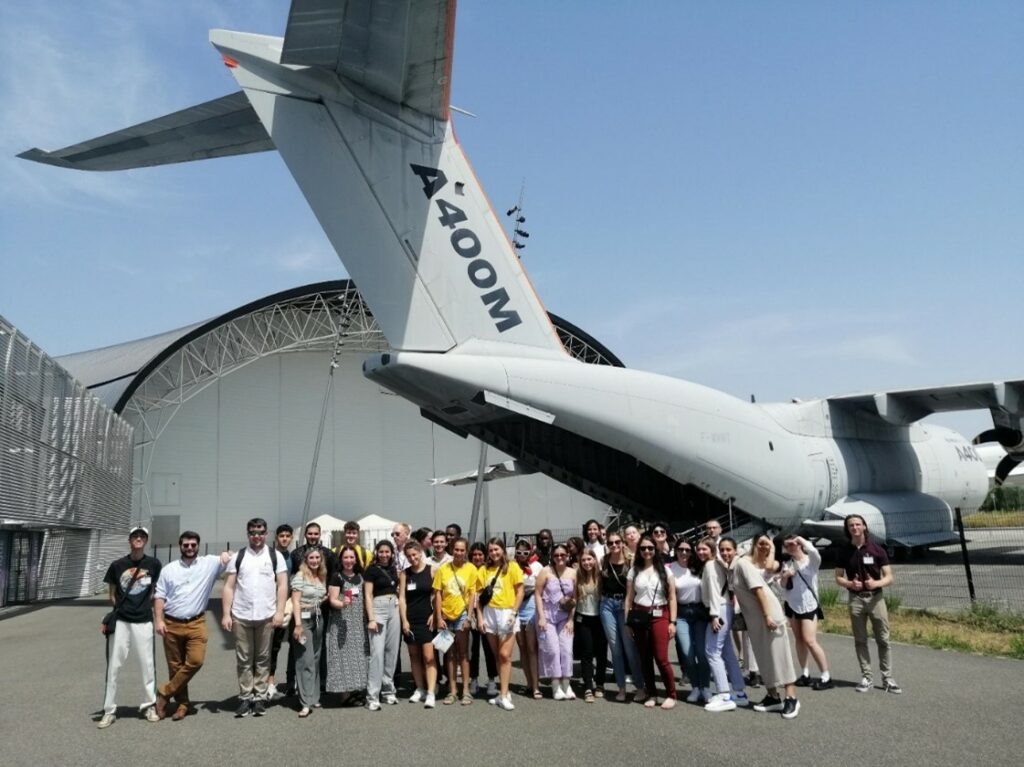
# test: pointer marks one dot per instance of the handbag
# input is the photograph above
(739, 623)
(487, 594)
(639, 619)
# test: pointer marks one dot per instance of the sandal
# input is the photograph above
(467, 700)
(449, 699)
(538, 695)
(304, 712)
(588, 696)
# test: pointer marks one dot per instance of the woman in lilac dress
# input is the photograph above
(556, 604)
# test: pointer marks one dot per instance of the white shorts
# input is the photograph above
(500, 621)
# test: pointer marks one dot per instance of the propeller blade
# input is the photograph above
(1004, 436)
(1008, 464)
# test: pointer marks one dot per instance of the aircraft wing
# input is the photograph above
(398, 49)
(908, 405)
(219, 128)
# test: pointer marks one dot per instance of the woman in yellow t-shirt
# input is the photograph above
(499, 618)
(454, 595)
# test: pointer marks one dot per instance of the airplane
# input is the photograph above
(355, 98)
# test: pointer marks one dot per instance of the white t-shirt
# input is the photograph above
(530, 573)
(255, 597)
(647, 588)
(687, 584)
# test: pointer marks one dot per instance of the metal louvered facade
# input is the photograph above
(65, 478)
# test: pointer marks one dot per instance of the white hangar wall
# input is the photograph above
(244, 445)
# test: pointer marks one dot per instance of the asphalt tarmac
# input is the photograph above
(956, 709)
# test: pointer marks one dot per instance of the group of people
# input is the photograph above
(624, 594)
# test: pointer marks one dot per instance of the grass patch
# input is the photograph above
(828, 597)
(982, 629)
(983, 519)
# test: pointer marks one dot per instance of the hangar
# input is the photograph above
(226, 412)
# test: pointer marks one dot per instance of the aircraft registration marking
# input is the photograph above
(466, 244)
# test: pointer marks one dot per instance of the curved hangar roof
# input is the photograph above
(151, 372)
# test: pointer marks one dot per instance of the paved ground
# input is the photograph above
(956, 709)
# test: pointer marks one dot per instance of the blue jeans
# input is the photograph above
(621, 642)
(691, 631)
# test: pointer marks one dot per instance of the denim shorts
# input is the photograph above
(527, 612)
(455, 624)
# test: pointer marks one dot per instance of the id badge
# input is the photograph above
(410, 586)
(579, 618)
(305, 615)
(868, 560)
(656, 612)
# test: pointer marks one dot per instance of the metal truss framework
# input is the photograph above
(305, 322)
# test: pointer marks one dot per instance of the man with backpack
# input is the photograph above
(253, 600)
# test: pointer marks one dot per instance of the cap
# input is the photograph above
(138, 529)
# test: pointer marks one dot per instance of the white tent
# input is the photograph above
(328, 524)
(373, 528)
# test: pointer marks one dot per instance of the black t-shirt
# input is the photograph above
(613, 579)
(344, 582)
(330, 559)
(384, 582)
(137, 607)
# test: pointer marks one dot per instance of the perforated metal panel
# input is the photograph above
(65, 467)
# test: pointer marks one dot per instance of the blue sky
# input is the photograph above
(791, 199)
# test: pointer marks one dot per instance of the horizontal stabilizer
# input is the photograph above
(220, 128)
(503, 470)
(398, 49)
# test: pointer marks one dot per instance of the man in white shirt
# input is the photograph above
(179, 605)
(399, 536)
(253, 600)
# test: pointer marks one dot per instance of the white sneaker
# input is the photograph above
(373, 705)
(391, 699)
(430, 700)
(559, 693)
(416, 697)
(151, 715)
(271, 692)
(473, 687)
(694, 695)
(569, 694)
(506, 703)
(105, 722)
(492, 688)
(865, 685)
(721, 703)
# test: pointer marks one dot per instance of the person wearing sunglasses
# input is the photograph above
(179, 606)
(625, 658)
(556, 605)
(651, 616)
(691, 621)
(253, 600)
(659, 532)
(526, 637)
